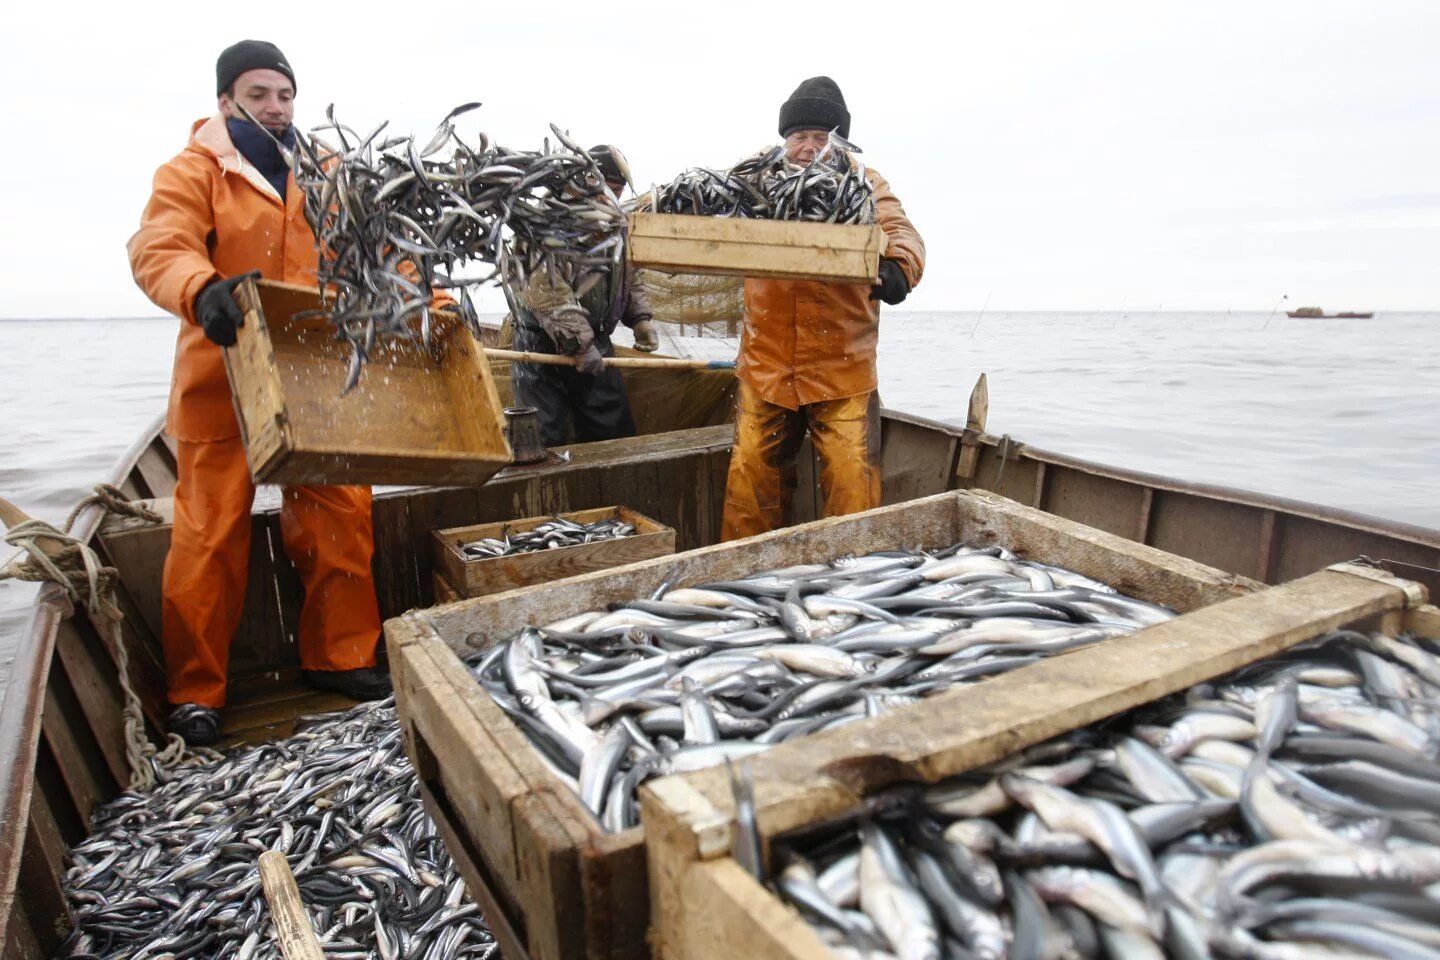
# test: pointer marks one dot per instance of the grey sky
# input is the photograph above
(1053, 154)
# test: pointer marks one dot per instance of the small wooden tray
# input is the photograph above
(477, 578)
(412, 419)
(781, 249)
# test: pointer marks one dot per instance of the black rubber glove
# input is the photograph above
(893, 288)
(218, 313)
(589, 361)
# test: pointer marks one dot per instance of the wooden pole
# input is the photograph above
(975, 419)
(292, 924)
(630, 363)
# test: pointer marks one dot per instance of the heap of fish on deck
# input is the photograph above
(1289, 811)
(173, 872)
(551, 535)
(720, 671)
(831, 188)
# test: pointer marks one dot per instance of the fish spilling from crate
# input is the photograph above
(1290, 810)
(695, 676)
(397, 221)
(172, 872)
(550, 535)
(831, 188)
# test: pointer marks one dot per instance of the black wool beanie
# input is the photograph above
(612, 163)
(817, 104)
(249, 55)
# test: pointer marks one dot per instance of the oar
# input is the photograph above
(629, 363)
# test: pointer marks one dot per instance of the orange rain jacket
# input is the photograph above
(212, 214)
(808, 342)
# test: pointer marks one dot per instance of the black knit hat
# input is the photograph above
(249, 55)
(817, 104)
(612, 163)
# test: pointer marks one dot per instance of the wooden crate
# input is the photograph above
(478, 578)
(784, 249)
(535, 858)
(700, 896)
(412, 419)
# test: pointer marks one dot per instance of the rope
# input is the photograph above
(73, 565)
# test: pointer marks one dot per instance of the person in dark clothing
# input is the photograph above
(549, 317)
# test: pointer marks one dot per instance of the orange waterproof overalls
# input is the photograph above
(212, 214)
(807, 361)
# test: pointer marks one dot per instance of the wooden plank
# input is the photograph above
(293, 930)
(479, 577)
(157, 466)
(91, 673)
(414, 416)
(77, 754)
(41, 884)
(916, 460)
(21, 942)
(397, 575)
(741, 920)
(826, 776)
(444, 592)
(756, 248)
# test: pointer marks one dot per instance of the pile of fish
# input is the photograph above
(698, 675)
(397, 221)
(172, 872)
(1291, 810)
(552, 534)
(831, 188)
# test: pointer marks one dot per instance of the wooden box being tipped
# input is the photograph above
(413, 418)
(782, 249)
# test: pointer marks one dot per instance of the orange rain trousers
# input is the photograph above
(328, 536)
(846, 435)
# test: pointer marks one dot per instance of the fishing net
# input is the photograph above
(692, 305)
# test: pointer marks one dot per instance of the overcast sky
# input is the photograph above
(1054, 155)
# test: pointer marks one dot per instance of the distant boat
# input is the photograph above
(1315, 313)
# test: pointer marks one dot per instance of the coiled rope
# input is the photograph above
(50, 555)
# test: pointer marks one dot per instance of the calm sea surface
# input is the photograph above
(1338, 412)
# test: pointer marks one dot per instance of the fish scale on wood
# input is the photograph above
(174, 871)
(700, 675)
(1289, 810)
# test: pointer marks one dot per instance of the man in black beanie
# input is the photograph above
(587, 401)
(807, 355)
(225, 209)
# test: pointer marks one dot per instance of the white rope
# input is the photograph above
(78, 570)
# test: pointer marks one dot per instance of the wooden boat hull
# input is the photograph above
(61, 748)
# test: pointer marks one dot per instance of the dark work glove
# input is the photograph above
(218, 313)
(893, 288)
(590, 361)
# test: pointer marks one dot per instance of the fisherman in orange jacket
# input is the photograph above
(225, 208)
(807, 355)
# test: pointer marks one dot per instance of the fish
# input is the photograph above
(831, 188)
(553, 534)
(174, 869)
(1260, 815)
(400, 220)
(727, 669)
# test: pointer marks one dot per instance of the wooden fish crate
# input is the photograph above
(782, 249)
(701, 896)
(413, 418)
(553, 883)
(470, 577)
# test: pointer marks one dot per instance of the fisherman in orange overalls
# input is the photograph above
(807, 355)
(225, 208)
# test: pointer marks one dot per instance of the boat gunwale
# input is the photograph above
(22, 708)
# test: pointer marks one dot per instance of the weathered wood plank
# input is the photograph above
(293, 930)
(77, 754)
(741, 920)
(756, 248)
(91, 673)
